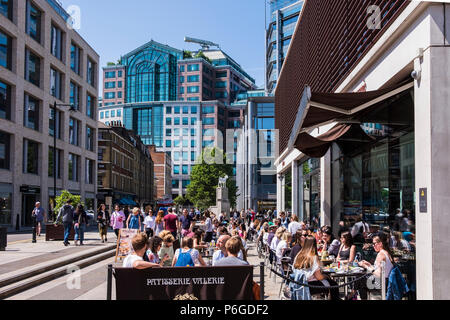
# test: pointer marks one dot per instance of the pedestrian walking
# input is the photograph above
(159, 222)
(103, 222)
(38, 213)
(134, 221)
(149, 223)
(66, 213)
(81, 220)
(171, 223)
(117, 220)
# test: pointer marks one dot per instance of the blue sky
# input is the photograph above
(114, 27)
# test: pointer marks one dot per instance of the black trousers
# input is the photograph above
(334, 293)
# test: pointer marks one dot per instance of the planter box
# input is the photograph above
(54, 233)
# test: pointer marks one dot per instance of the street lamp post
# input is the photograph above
(55, 109)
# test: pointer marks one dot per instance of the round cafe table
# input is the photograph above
(346, 276)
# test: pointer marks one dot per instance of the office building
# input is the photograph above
(43, 62)
(113, 85)
(163, 173)
(283, 17)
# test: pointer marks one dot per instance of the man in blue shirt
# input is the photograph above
(186, 223)
(38, 213)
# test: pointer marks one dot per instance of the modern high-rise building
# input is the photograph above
(113, 85)
(283, 17)
(43, 62)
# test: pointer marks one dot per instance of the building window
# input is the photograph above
(33, 21)
(5, 151)
(193, 67)
(182, 68)
(186, 183)
(89, 138)
(51, 122)
(195, 78)
(176, 169)
(176, 132)
(168, 132)
(55, 83)
(90, 106)
(181, 79)
(74, 129)
(113, 113)
(119, 75)
(30, 157)
(185, 121)
(102, 115)
(193, 89)
(175, 184)
(90, 76)
(110, 85)
(176, 121)
(221, 84)
(208, 110)
(168, 110)
(51, 160)
(6, 9)
(185, 132)
(194, 109)
(168, 143)
(73, 167)
(75, 60)
(208, 121)
(32, 68)
(185, 156)
(193, 143)
(221, 74)
(177, 110)
(185, 169)
(221, 95)
(193, 121)
(90, 171)
(119, 113)
(110, 75)
(110, 95)
(5, 50)
(193, 132)
(168, 121)
(31, 113)
(56, 42)
(176, 156)
(185, 110)
(75, 95)
(176, 143)
(5, 101)
(119, 84)
(185, 143)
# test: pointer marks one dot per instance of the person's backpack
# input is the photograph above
(185, 259)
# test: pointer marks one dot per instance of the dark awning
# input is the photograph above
(317, 109)
(317, 147)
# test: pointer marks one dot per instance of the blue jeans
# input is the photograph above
(67, 228)
(79, 232)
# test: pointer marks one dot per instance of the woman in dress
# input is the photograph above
(159, 222)
(103, 222)
(117, 220)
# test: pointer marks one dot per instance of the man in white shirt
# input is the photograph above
(294, 226)
(136, 259)
(222, 252)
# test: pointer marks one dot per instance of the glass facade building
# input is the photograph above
(151, 73)
(283, 19)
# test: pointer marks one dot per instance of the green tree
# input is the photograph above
(110, 64)
(200, 54)
(180, 201)
(187, 54)
(205, 175)
(62, 199)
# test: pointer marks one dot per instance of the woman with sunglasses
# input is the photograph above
(347, 251)
(300, 237)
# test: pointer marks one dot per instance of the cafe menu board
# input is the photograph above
(124, 246)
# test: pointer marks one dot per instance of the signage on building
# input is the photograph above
(423, 200)
(28, 189)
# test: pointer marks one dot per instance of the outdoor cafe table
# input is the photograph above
(346, 276)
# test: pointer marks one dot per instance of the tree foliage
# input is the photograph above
(205, 179)
(180, 201)
(200, 54)
(62, 199)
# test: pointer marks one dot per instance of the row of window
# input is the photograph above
(176, 183)
(112, 95)
(185, 121)
(184, 169)
(112, 84)
(112, 74)
(32, 160)
(184, 155)
(114, 113)
(33, 61)
(185, 143)
(184, 132)
(185, 109)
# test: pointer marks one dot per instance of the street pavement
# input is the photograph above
(91, 282)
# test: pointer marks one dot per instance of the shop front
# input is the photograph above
(6, 192)
(30, 195)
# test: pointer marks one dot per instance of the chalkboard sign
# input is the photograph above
(124, 247)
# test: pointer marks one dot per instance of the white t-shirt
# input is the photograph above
(149, 222)
(130, 259)
(310, 272)
(279, 251)
(208, 224)
(294, 226)
(266, 238)
(274, 243)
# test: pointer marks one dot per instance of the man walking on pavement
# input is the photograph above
(66, 212)
(38, 213)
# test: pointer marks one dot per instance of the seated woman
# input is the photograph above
(329, 242)
(167, 247)
(300, 237)
(347, 251)
(187, 256)
(283, 246)
(308, 261)
(381, 246)
(154, 245)
(400, 243)
(198, 239)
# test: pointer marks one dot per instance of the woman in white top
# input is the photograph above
(277, 238)
(381, 245)
(149, 223)
(209, 228)
(283, 245)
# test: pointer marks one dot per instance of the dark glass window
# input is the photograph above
(56, 42)
(33, 22)
(89, 171)
(73, 131)
(73, 167)
(51, 160)
(51, 123)
(32, 67)
(75, 58)
(4, 150)
(89, 138)
(6, 7)
(55, 83)
(5, 101)
(5, 50)
(90, 76)
(31, 113)
(30, 156)
(75, 95)
(90, 107)
(185, 169)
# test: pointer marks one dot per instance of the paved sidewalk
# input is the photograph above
(22, 256)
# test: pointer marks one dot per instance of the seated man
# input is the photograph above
(233, 247)
(222, 252)
(136, 260)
